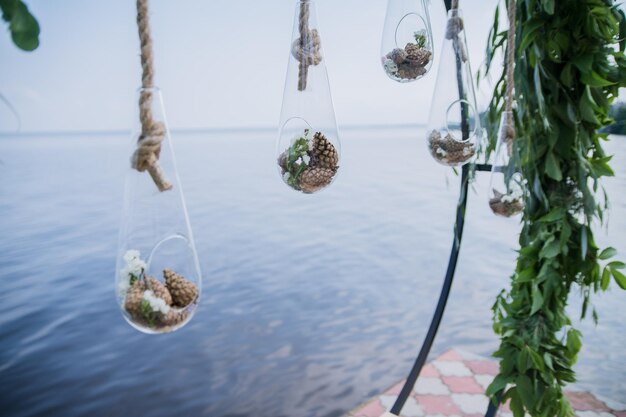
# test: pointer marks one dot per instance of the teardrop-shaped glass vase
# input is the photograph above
(454, 131)
(506, 186)
(407, 43)
(308, 147)
(157, 275)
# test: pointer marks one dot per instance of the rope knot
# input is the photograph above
(454, 27)
(309, 49)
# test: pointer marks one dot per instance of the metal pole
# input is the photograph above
(449, 277)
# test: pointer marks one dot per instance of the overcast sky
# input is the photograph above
(219, 63)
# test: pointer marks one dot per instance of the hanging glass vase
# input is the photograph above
(454, 130)
(407, 43)
(158, 275)
(308, 147)
(506, 186)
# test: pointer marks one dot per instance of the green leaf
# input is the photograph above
(496, 386)
(619, 278)
(607, 253)
(525, 389)
(536, 359)
(587, 108)
(594, 79)
(573, 342)
(516, 405)
(523, 361)
(551, 249)
(583, 62)
(553, 168)
(24, 28)
(537, 301)
(548, 6)
(553, 216)
(606, 279)
(548, 360)
(616, 265)
(583, 242)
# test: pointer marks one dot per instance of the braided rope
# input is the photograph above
(510, 77)
(307, 48)
(146, 156)
(454, 27)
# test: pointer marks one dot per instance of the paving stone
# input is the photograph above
(438, 405)
(432, 386)
(484, 380)
(372, 409)
(584, 401)
(410, 409)
(429, 370)
(593, 414)
(466, 384)
(449, 368)
(451, 355)
(483, 367)
(471, 403)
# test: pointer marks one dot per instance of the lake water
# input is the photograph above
(311, 304)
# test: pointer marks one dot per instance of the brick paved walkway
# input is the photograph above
(454, 385)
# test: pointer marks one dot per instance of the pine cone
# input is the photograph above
(134, 295)
(184, 292)
(314, 179)
(174, 317)
(449, 151)
(408, 72)
(324, 153)
(411, 49)
(282, 162)
(505, 208)
(416, 56)
(160, 290)
(398, 56)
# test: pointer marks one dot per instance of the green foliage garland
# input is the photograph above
(569, 67)
(23, 26)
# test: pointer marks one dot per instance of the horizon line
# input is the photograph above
(118, 132)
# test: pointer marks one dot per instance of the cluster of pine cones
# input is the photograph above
(505, 208)
(177, 293)
(411, 61)
(449, 151)
(321, 168)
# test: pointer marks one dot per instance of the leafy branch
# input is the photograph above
(569, 67)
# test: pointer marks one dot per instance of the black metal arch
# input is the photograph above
(449, 277)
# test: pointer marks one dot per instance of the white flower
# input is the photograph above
(390, 66)
(286, 176)
(441, 152)
(122, 287)
(134, 267)
(306, 159)
(131, 254)
(515, 193)
(156, 304)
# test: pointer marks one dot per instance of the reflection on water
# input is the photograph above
(311, 303)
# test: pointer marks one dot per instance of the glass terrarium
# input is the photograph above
(507, 185)
(158, 278)
(308, 149)
(407, 42)
(454, 130)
